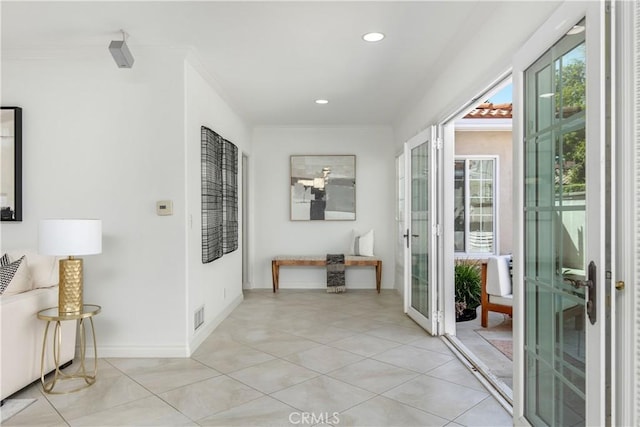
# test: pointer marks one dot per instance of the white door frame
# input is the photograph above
(246, 247)
(442, 248)
(628, 232)
(446, 133)
(552, 30)
(430, 323)
(400, 224)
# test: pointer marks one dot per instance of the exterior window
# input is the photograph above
(474, 183)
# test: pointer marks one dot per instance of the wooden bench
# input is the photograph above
(321, 261)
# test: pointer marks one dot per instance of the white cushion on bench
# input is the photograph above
(506, 300)
(498, 276)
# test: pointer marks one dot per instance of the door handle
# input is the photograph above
(406, 236)
(590, 285)
(577, 283)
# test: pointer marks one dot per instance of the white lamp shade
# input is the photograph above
(70, 237)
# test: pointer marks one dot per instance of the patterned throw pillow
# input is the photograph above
(17, 275)
(4, 260)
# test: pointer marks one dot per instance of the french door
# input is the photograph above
(562, 261)
(421, 296)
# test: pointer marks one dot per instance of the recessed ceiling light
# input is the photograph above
(373, 37)
(321, 101)
(576, 29)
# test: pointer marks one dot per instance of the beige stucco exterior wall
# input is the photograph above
(494, 143)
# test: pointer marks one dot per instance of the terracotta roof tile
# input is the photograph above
(487, 110)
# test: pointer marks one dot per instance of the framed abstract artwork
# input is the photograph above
(219, 163)
(323, 188)
(212, 208)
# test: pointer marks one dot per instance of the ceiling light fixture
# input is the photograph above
(120, 52)
(322, 101)
(373, 37)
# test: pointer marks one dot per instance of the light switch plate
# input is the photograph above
(164, 207)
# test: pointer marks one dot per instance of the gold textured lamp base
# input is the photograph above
(70, 286)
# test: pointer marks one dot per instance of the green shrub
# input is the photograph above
(467, 283)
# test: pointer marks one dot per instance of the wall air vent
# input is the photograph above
(198, 318)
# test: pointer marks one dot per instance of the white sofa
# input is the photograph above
(23, 332)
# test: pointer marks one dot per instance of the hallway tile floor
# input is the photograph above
(299, 357)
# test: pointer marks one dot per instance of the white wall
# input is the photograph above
(216, 285)
(102, 142)
(275, 234)
(465, 72)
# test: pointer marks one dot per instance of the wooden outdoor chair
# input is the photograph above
(497, 293)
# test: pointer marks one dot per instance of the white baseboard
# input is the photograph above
(136, 352)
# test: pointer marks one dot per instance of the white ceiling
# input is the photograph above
(271, 60)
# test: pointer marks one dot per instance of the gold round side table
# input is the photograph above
(53, 315)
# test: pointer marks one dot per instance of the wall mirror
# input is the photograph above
(11, 164)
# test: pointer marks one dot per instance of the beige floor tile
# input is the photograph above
(262, 412)
(324, 334)
(323, 359)
(294, 326)
(272, 343)
(400, 334)
(364, 345)
(322, 394)
(273, 375)
(159, 375)
(358, 323)
(438, 397)
(383, 412)
(455, 372)
(431, 343)
(150, 411)
(108, 391)
(232, 358)
(413, 358)
(372, 375)
(219, 339)
(395, 317)
(208, 397)
(487, 412)
(39, 413)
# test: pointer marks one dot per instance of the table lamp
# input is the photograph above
(70, 237)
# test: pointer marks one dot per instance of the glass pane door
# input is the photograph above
(555, 227)
(420, 229)
(564, 219)
(421, 295)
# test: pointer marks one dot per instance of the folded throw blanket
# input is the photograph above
(335, 273)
